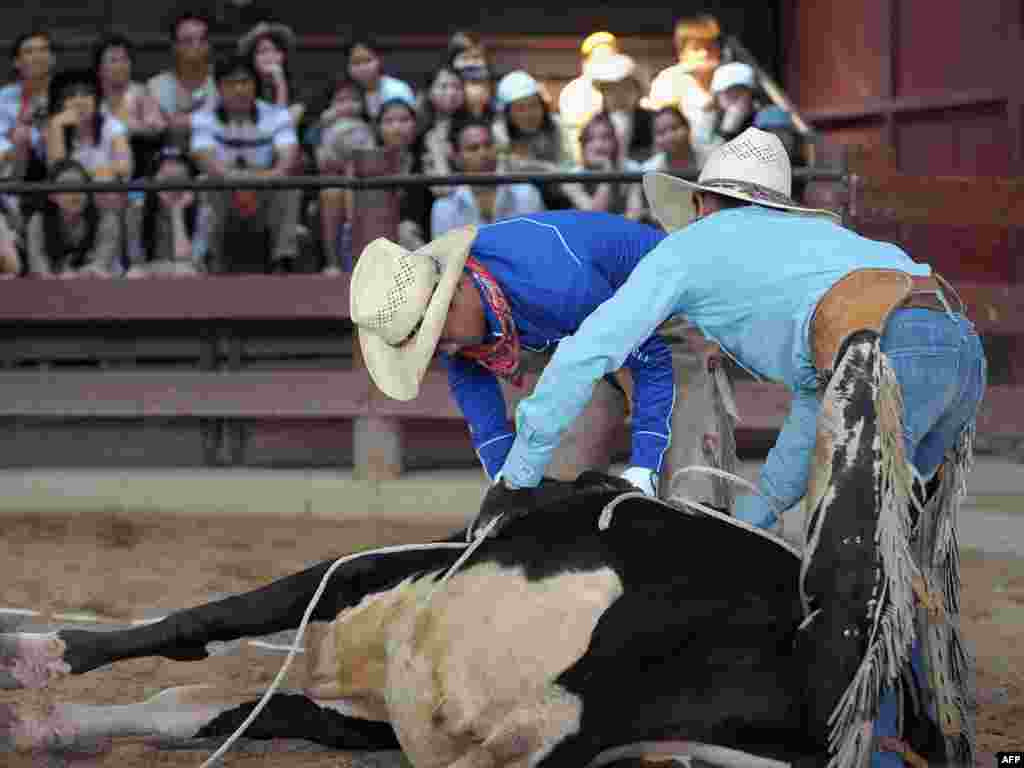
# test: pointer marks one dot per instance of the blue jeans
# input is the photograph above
(941, 367)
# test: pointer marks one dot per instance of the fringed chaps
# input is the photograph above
(857, 574)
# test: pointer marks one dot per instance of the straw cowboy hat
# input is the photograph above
(753, 167)
(399, 301)
(281, 34)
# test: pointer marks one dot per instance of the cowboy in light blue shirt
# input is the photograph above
(749, 273)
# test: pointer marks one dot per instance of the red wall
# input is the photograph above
(938, 83)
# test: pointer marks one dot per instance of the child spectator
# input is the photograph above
(71, 236)
(475, 152)
(536, 139)
(175, 226)
(396, 129)
(343, 129)
(734, 87)
(127, 100)
(268, 47)
(674, 153)
(244, 138)
(363, 62)
(599, 144)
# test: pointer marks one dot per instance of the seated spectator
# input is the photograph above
(446, 97)
(246, 138)
(475, 152)
(468, 57)
(365, 68)
(10, 259)
(396, 129)
(175, 226)
(536, 138)
(614, 76)
(71, 236)
(688, 83)
(601, 153)
(80, 130)
(674, 153)
(269, 46)
(579, 100)
(189, 86)
(127, 100)
(24, 110)
(734, 87)
(343, 129)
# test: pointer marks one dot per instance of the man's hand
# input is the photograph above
(502, 501)
(642, 479)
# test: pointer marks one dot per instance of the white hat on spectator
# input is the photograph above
(733, 73)
(609, 67)
(281, 34)
(517, 85)
(399, 302)
(753, 167)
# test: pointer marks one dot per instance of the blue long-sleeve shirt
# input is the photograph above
(748, 278)
(555, 269)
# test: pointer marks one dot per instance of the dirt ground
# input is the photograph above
(124, 568)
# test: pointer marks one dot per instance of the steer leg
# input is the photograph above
(178, 716)
(34, 660)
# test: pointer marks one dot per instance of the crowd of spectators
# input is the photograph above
(243, 116)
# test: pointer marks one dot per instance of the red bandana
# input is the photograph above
(500, 357)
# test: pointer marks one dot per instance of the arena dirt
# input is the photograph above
(122, 566)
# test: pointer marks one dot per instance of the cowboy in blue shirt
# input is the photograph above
(794, 297)
(503, 291)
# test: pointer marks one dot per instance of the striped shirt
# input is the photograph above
(256, 140)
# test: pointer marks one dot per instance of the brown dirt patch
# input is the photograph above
(122, 566)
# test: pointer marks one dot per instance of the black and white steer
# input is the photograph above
(553, 643)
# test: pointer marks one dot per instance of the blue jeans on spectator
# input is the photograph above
(941, 367)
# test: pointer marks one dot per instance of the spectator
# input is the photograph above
(674, 153)
(343, 130)
(688, 83)
(128, 101)
(536, 139)
(468, 57)
(579, 99)
(446, 97)
(364, 67)
(24, 110)
(71, 236)
(175, 226)
(269, 47)
(614, 76)
(190, 85)
(246, 138)
(79, 129)
(10, 259)
(601, 153)
(475, 152)
(776, 120)
(396, 129)
(734, 87)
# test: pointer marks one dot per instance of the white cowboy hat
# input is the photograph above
(753, 167)
(281, 34)
(399, 301)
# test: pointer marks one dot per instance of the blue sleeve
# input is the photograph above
(653, 400)
(479, 396)
(654, 291)
(786, 471)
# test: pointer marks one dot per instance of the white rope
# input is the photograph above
(296, 646)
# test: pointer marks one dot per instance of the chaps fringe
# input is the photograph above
(851, 738)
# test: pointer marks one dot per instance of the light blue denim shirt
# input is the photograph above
(749, 278)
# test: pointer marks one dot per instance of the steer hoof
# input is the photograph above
(52, 733)
(31, 660)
